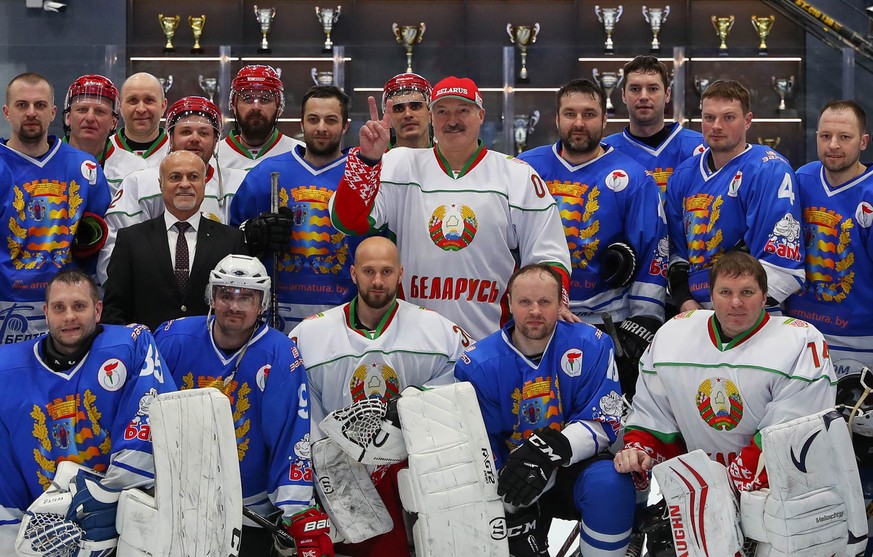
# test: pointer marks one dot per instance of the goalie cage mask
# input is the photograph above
(855, 402)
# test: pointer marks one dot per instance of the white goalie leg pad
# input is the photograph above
(347, 493)
(814, 505)
(451, 483)
(197, 507)
(701, 505)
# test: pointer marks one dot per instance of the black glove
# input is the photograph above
(269, 232)
(527, 533)
(618, 265)
(529, 467)
(677, 283)
(635, 335)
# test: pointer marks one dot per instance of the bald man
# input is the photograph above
(142, 106)
(159, 268)
(374, 347)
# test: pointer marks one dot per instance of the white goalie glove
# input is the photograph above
(367, 431)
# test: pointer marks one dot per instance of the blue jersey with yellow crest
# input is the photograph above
(40, 214)
(575, 382)
(609, 199)
(752, 202)
(314, 272)
(836, 297)
(266, 384)
(89, 414)
(660, 161)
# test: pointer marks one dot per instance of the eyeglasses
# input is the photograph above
(414, 106)
(244, 300)
(263, 98)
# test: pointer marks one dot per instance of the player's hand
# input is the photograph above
(375, 133)
(310, 529)
(688, 305)
(630, 460)
(269, 232)
(564, 314)
(529, 468)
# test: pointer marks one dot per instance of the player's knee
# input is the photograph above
(600, 491)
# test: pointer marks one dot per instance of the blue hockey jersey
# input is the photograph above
(751, 201)
(267, 388)
(609, 199)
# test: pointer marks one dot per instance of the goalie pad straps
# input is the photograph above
(451, 481)
(347, 493)
(197, 507)
(701, 505)
(814, 505)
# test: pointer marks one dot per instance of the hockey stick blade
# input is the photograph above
(574, 533)
(261, 521)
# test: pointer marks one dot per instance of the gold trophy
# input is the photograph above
(197, 23)
(409, 36)
(656, 17)
(169, 23)
(523, 36)
(608, 17)
(723, 27)
(763, 25)
(328, 18)
(265, 21)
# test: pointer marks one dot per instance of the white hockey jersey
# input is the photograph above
(345, 364)
(118, 163)
(153, 155)
(233, 154)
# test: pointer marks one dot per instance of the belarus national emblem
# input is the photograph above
(374, 380)
(452, 227)
(720, 403)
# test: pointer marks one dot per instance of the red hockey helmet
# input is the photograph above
(194, 106)
(258, 77)
(93, 87)
(405, 82)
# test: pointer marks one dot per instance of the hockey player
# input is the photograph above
(52, 212)
(712, 380)
(374, 347)
(314, 261)
(613, 221)
(837, 193)
(193, 124)
(260, 371)
(80, 393)
(459, 211)
(410, 116)
(142, 106)
(257, 99)
(736, 196)
(551, 401)
(657, 146)
(91, 111)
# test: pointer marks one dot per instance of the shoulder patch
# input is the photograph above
(794, 322)
(617, 180)
(518, 160)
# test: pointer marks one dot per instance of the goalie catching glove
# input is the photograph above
(310, 529)
(269, 232)
(529, 468)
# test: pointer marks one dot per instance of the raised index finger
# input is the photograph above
(374, 111)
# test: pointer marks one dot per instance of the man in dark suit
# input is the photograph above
(160, 268)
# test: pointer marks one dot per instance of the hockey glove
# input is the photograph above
(677, 283)
(528, 535)
(618, 265)
(529, 467)
(310, 529)
(269, 232)
(90, 236)
(635, 335)
(93, 508)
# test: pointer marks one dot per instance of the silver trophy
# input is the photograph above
(701, 83)
(166, 83)
(523, 36)
(321, 78)
(783, 87)
(265, 21)
(608, 17)
(524, 126)
(608, 81)
(328, 17)
(656, 17)
(408, 36)
(209, 86)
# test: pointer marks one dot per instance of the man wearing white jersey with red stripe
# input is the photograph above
(142, 105)
(463, 215)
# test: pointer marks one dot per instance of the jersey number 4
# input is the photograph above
(786, 188)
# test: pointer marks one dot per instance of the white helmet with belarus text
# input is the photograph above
(404, 83)
(92, 87)
(194, 106)
(240, 271)
(258, 77)
(855, 402)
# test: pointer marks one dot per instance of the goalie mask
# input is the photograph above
(95, 89)
(855, 402)
(239, 271)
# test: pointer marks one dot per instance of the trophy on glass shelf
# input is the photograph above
(523, 36)
(209, 86)
(771, 142)
(763, 25)
(169, 23)
(328, 18)
(723, 25)
(265, 21)
(783, 87)
(700, 85)
(608, 81)
(409, 36)
(656, 17)
(166, 83)
(524, 126)
(321, 77)
(608, 17)
(197, 23)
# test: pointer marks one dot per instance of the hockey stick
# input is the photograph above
(274, 208)
(609, 325)
(261, 521)
(574, 533)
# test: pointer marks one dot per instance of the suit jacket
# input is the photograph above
(141, 285)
